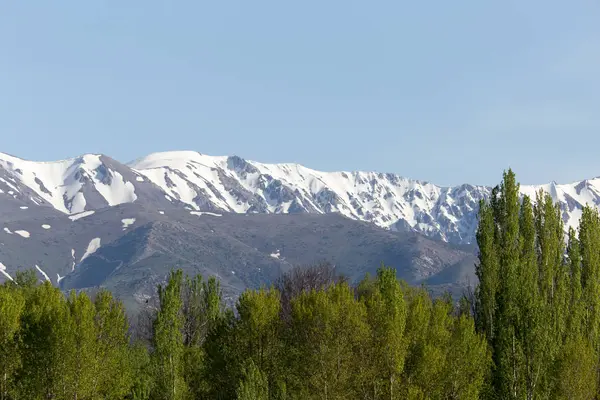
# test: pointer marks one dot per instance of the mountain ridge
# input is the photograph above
(199, 182)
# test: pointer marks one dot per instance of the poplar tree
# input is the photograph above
(508, 352)
(487, 271)
(531, 323)
(328, 327)
(576, 374)
(433, 368)
(254, 384)
(417, 323)
(11, 308)
(589, 239)
(44, 346)
(114, 366)
(387, 315)
(80, 348)
(259, 331)
(468, 362)
(576, 309)
(202, 309)
(168, 342)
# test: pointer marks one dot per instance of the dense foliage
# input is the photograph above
(538, 301)
(380, 340)
(531, 330)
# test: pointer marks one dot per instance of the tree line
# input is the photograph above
(310, 336)
(538, 298)
(528, 331)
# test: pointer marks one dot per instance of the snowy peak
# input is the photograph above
(88, 182)
(232, 184)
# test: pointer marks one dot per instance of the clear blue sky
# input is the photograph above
(445, 91)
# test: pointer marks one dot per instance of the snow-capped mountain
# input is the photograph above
(72, 186)
(232, 184)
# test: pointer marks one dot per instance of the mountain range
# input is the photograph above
(92, 221)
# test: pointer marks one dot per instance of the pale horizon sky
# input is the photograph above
(446, 92)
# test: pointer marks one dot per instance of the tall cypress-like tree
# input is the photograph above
(114, 374)
(507, 348)
(259, 331)
(168, 342)
(79, 374)
(487, 270)
(576, 309)
(576, 371)
(328, 327)
(254, 384)
(589, 239)
(44, 346)
(417, 325)
(525, 290)
(195, 326)
(531, 320)
(11, 308)
(468, 362)
(387, 313)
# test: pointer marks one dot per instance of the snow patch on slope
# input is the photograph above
(199, 213)
(127, 222)
(43, 273)
(84, 214)
(3, 271)
(93, 246)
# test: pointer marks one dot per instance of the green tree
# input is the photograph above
(589, 241)
(45, 348)
(26, 279)
(78, 375)
(168, 342)
(576, 310)
(433, 363)
(387, 314)
(221, 361)
(416, 332)
(576, 372)
(141, 366)
(258, 332)
(114, 368)
(202, 309)
(11, 308)
(328, 327)
(507, 347)
(487, 271)
(253, 385)
(468, 362)
(523, 314)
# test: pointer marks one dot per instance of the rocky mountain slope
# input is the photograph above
(231, 184)
(93, 222)
(129, 249)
